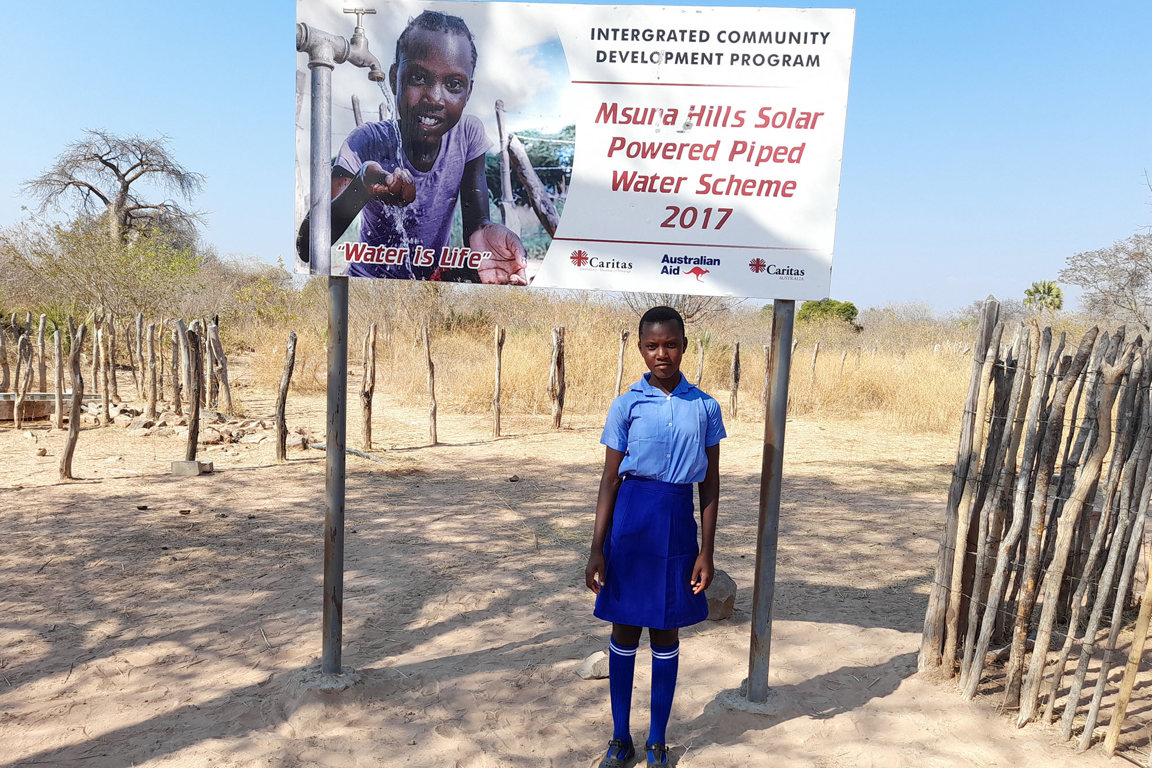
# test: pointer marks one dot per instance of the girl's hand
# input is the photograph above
(702, 573)
(396, 188)
(506, 265)
(594, 572)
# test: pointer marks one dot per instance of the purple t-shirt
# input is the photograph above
(428, 219)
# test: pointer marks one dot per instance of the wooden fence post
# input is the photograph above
(932, 643)
(368, 385)
(537, 194)
(41, 361)
(5, 372)
(212, 398)
(1139, 639)
(620, 364)
(76, 335)
(282, 398)
(138, 340)
(105, 392)
(97, 324)
(431, 387)
(815, 354)
(767, 374)
(110, 358)
(1069, 516)
(957, 609)
(357, 117)
(219, 367)
(24, 374)
(734, 392)
(196, 376)
(175, 371)
(506, 201)
(151, 411)
(58, 416)
(498, 343)
(557, 384)
(129, 347)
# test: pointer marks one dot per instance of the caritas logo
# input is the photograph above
(583, 260)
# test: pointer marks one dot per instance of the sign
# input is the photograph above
(692, 150)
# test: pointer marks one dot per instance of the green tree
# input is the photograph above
(72, 265)
(1044, 295)
(828, 309)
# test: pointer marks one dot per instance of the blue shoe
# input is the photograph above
(620, 754)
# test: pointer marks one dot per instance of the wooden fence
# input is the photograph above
(1047, 511)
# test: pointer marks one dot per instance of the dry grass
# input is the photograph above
(912, 374)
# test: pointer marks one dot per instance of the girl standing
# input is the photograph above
(645, 567)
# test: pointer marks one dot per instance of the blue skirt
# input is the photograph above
(649, 555)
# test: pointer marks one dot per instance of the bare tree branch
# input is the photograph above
(1117, 280)
(108, 168)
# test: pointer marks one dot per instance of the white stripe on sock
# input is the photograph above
(613, 648)
(666, 654)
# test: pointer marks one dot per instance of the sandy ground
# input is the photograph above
(148, 620)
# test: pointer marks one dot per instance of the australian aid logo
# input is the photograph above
(694, 266)
(581, 259)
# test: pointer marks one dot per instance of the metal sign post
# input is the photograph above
(771, 475)
(325, 51)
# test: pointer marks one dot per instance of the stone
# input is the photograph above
(191, 468)
(140, 431)
(294, 441)
(595, 667)
(122, 420)
(171, 419)
(721, 595)
(164, 432)
(210, 437)
(142, 422)
(253, 439)
(88, 418)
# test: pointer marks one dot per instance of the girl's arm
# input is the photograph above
(605, 502)
(506, 265)
(351, 193)
(704, 569)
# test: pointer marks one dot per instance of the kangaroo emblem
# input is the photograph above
(699, 273)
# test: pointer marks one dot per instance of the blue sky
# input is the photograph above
(985, 142)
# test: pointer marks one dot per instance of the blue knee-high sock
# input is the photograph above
(621, 669)
(665, 663)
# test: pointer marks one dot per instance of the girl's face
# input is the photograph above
(662, 346)
(432, 81)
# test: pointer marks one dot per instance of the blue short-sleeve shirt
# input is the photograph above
(663, 436)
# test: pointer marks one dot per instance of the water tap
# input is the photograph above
(358, 53)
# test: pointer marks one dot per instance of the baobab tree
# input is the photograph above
(106, 174)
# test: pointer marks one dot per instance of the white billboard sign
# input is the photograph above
(665, 149)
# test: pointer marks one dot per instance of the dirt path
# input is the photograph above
(153, 621)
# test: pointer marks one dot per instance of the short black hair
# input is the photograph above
(434, 21)
(660, 315)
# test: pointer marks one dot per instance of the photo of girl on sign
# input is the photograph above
(403, 177)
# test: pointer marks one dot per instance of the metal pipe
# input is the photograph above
(334, 475)
(771, 474)
(325, 51)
